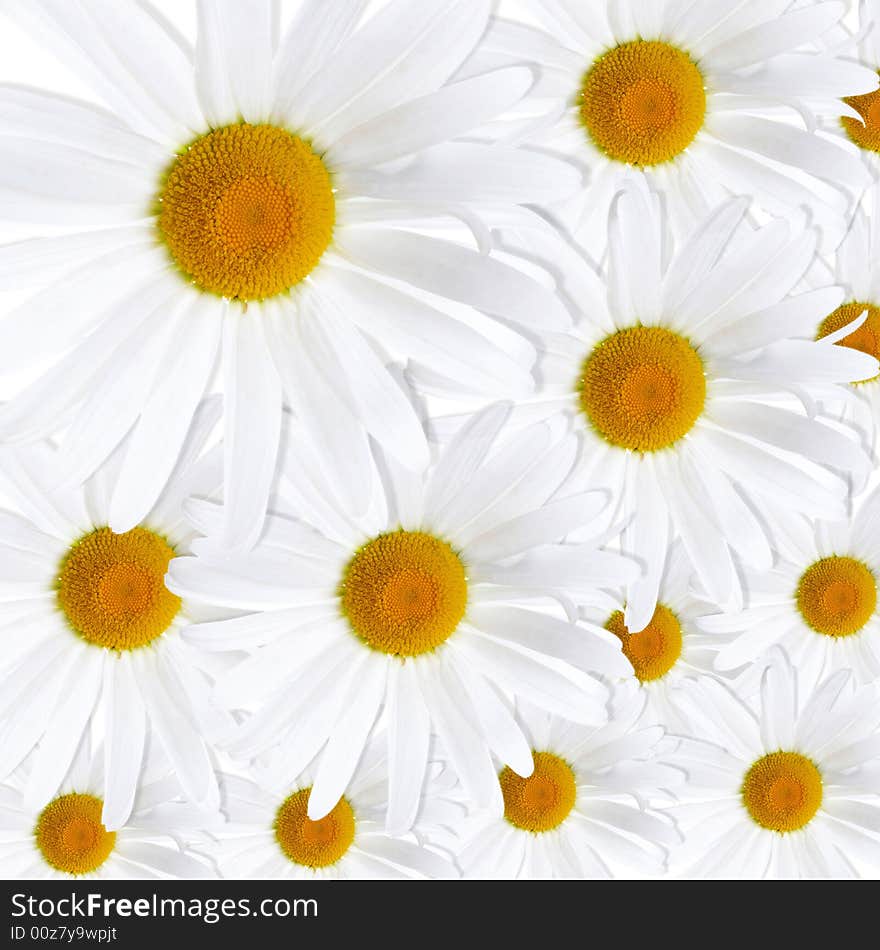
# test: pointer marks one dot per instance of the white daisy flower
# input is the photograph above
(583, 812)
(408, 608)
(672, 650)
(232, 202)
(67, 837)
(682, 376)
(93, 634)
(789, 789)
(707, 98)
(270, 835)
(819, 601)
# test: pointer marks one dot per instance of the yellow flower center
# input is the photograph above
(404, 593)
(643, 388)
(643, 102)
(836, 596)
(71, 836)
(866, 338)
(865, 135)
(112, 591)
(656, 649)
(782, 791)
(313, 844)
(247, 211)
(542, 801)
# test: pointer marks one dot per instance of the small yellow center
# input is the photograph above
(247, 211)
(71, 836)
(866, 338)
(542, 801)
(643, 388)
(111, 588)
(656, 649)
(643, 102)
(313, 844)
(865, 135)
(404, 593)
(782, 791)
(837, 596)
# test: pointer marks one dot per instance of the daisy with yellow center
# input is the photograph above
(781, 788)
(66, 838)
(271, 835)
(239, 211)
(579, 814)
(820, 601)
(695, 101)
(415, 606)
(98, 632)
(679, 377)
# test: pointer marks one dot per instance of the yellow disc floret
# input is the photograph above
(247, 211)
(542, 801)
(866, 134)
(837, 596)
(643, 102)
(313, 844)
(866, 338)
(782, 791)
(111, 588)
(643, 388)
(71, 836)
(404, 593)
(653, 651)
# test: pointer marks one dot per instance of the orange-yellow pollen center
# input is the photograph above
(111, 588)
(655, 650)
(782, 791)
(71, 836)
(404, 593)
(866, 338)
(837, 596)
(643, 102)
(865, 134)
(542, 801)
(313, 844)
(247, 211)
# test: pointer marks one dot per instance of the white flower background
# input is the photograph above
(460, 423)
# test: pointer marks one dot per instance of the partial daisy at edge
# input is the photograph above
(66, 839)
(259, 208)
(270, 836)
(704, 98)
(694, 381)
(406, 609)
(587, 810)
(783, 785)
(93, 634)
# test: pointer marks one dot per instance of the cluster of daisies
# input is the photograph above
(450, 445)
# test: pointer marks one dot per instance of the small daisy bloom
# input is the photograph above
(408, 608)
(706, 98)
(66, 837)
(270, 834)
(688, 376)
(583, 811)
(819, 602)
(93, 634)
(224, 209)
(787, 789)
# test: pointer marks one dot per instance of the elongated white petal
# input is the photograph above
(409, 734)
(125, 734)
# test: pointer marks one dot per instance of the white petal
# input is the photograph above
(125, 734)
(409, 734)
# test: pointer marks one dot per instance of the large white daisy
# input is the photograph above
(67, 838)
(407, 607)
(270, 835)
(91, 633)
(682, 375)
(787, 789)
(819, 601)
(230, 202)
(705, 97)
(583, 812)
